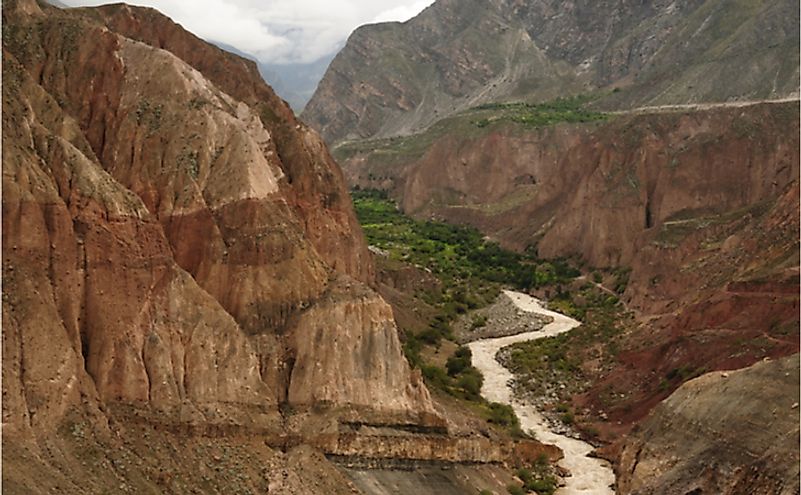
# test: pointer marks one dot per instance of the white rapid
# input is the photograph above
(589, 475)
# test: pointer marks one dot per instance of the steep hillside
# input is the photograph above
(395, 79)
(747, 446)
(187, 301)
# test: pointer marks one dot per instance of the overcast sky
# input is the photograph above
(279, 30)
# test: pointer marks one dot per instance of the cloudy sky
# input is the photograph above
(279, 31)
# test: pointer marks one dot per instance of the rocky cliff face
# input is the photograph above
(395, 79)
(643, 173)
(176, 244)
(213, 191)
(743, 446)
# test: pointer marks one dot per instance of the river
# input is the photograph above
(589, 475)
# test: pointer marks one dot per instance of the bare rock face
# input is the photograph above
(174, 240)
(340, 347)
(396, 79)
(90, 279)
(313, 185)
(596, 190)
(737, 432)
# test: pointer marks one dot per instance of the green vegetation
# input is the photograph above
(473, 123)
(570, 110)
(478, 322)
(459, 379)
(459, 256)
(503, 415)
(472, 270)
(621, 279)
(558, 359)
(459, 362)
(539, 478)
(189, 161)
(148, 115)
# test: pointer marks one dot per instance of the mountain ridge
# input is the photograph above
(397, 79)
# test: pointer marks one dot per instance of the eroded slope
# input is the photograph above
(743, 446)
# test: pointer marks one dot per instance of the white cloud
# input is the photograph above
(279, 30)
(402, 13)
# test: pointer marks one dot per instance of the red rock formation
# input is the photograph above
(168, 241)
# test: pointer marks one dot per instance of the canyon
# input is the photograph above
(190, 304)
(609, 148)
(698, 207)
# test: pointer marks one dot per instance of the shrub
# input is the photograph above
(471, 382)
(478, 322)
(543, 486)
(411, 348)
(459, 362)
(430, 336)
(503, 415)
(436, 376)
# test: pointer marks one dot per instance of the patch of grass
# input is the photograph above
(569, 110)
(473, 123)
(503, 415)
(538, 478)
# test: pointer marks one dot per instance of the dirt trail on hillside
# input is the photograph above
(701, 106)
(589, 475)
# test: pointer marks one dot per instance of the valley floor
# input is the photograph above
(588, 475)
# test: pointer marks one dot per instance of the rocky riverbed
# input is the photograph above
(587, 475)
(503, 318)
